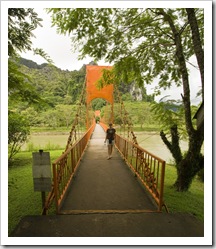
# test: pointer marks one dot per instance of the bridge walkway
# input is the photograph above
(106, 200)
(105, 185)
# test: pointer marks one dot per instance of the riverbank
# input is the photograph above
(47, 139)
(56, 140)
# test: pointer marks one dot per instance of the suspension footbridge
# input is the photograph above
(93, 196)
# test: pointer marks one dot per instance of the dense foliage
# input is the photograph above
(60, 92)
(21, 23)
(140, 42)
(18, 131)
(54, 85)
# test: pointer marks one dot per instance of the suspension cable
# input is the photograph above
(126, 120)
(74, 132)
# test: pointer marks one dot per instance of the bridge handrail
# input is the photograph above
(64, 168)
(104, 126)
(143, 164)
(149, 168)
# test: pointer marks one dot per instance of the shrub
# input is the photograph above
(18, 132)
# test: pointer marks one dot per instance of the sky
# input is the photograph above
(59, 48)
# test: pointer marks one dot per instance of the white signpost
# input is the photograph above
(41, 171)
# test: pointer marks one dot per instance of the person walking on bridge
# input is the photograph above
(110, 139)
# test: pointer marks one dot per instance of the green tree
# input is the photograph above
(98, 103)
(20, 88)
(171, 118)
(18, 131)
(144, 44)
(20, 30)
(21, 23)
(170, 115)
(65, 114)
(127, 97)
(31, 115)
(50, 118)
(144, 115)
(55, 86)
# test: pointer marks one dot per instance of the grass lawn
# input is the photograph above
(22, 200)
(191, 201)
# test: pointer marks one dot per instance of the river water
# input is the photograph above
(153, 143)
(150, 141)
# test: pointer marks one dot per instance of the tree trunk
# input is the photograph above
(197, 44)
(191, 164)
(187, 170)
(193, 161)
(173, 146)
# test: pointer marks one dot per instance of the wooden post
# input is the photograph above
(43, 198)
(162, 185)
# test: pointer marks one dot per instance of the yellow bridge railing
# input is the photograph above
(64, 168)
(149, 168)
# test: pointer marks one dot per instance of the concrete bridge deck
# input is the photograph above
(102, 184)
(106, 200)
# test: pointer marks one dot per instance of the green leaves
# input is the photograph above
(43, 54)
(139, 42)
(167, 113)
(20, 87)
(18, 131)
(170, 113)
(21, 23)
(107, 78)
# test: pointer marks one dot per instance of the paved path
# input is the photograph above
(102, 184)
(106, 200)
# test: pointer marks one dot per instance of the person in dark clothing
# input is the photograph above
(110, 139)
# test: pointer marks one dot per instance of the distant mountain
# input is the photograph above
(56, 86)
(51, 79)
(31, 64)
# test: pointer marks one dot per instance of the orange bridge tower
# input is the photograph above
(93, 74)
